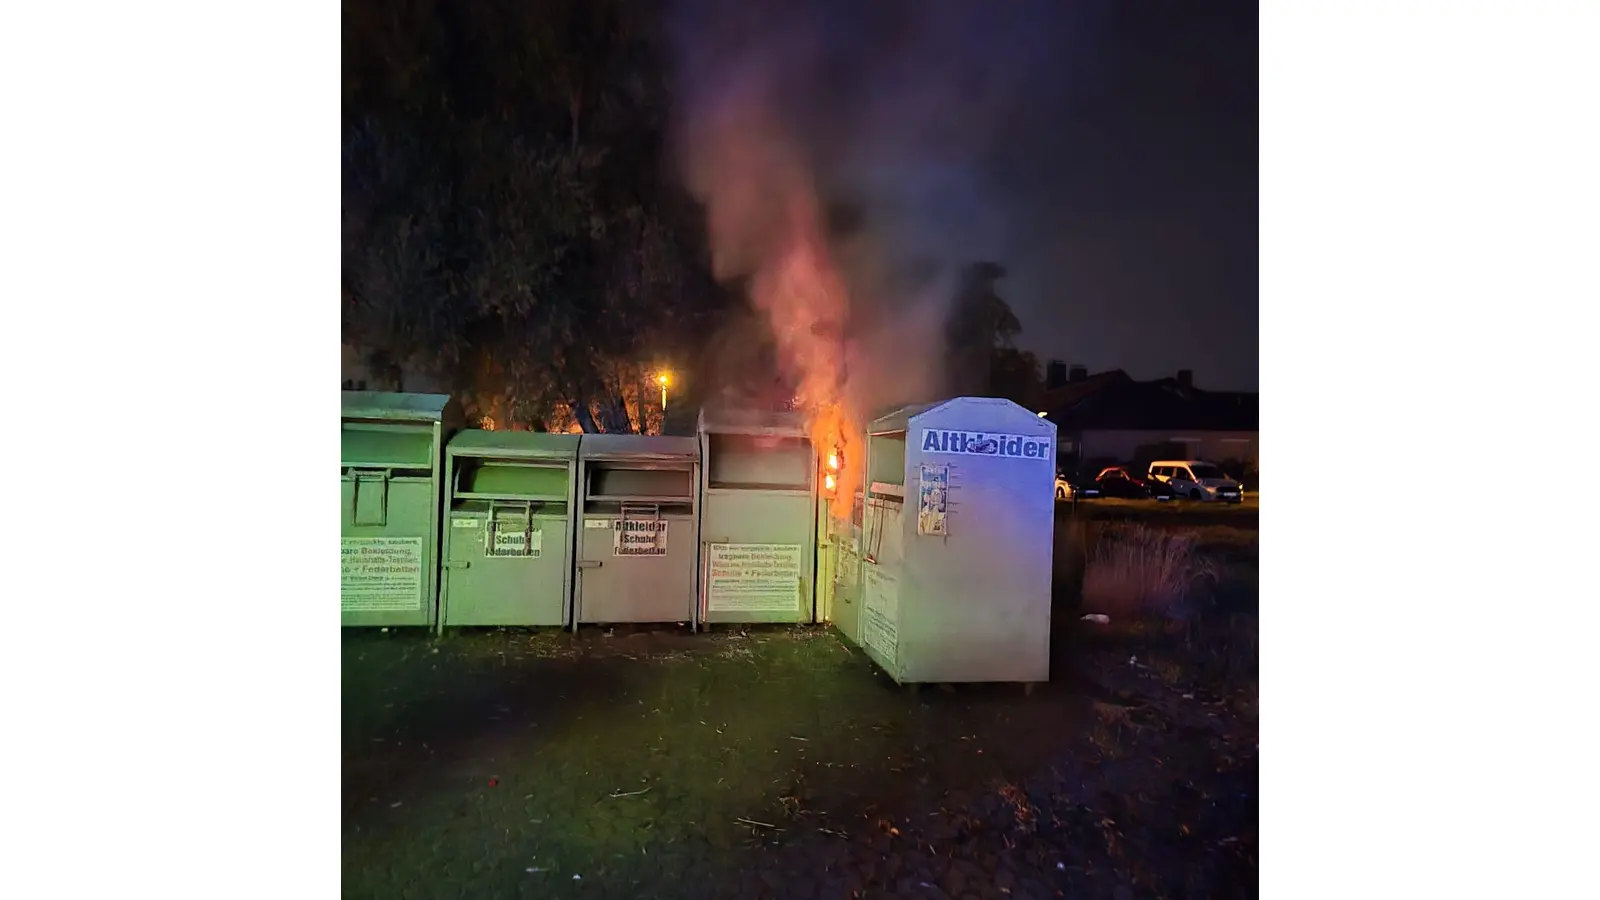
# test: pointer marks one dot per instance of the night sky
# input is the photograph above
(1150, 265)
(1103, 151)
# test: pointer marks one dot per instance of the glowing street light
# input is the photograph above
(662, 380)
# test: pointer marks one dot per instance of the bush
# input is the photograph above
(1135, 570)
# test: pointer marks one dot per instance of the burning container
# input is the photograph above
(839, 561)
(956, 542)
(390, 447)
(639, 542)
(508, 542)
(757, 517)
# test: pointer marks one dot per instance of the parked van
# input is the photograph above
(1197, 480)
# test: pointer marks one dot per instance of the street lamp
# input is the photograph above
(662, 380)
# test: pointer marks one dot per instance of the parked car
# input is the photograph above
(1196, 480)
(1069, 488)
(1115, 481)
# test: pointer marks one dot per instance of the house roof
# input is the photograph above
(1072, 392)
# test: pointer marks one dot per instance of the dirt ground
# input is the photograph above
(777, 763)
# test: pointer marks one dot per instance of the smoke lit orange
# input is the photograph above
(807, 303)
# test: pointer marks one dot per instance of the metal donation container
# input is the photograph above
(508, 539)
(639, 541)
(839, 597)
(957, 536)
(757, 517)
(389, 449)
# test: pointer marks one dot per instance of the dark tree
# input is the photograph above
(1015, 375)
(979, 323)
(510, 226)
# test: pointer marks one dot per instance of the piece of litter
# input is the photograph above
(1097, 618)
(577, 878)
(396, 803)
(1061, 867)
(535, 869)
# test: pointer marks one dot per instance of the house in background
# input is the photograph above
(1111, 419)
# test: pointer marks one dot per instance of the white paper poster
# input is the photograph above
(639, 537)
(753, 578)
(381, 574)
(508, 537)
(933, 495)
(847, 571)
(880, 626)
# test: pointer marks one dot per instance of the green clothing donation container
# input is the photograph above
(758, 517)
(390, 459)
(639, 539)
(508, 538)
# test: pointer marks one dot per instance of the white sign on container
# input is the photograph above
(508, 537)
(381, 574)
(880, 630)
(639, 537)
(983, 443)
(753, 577)
(933, 494)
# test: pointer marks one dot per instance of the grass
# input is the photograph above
(780, 763)
(1136, 570)
(1166, 560)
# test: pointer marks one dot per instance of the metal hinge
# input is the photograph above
(458, 564)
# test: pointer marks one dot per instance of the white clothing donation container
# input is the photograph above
(956, 543)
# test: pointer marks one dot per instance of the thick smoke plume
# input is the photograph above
(846, 154)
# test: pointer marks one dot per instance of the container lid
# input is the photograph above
(638, 447)
(394, 407)
(385, 449)
(514, 444)
(752, 421)
(900, 419)
(972, 413)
